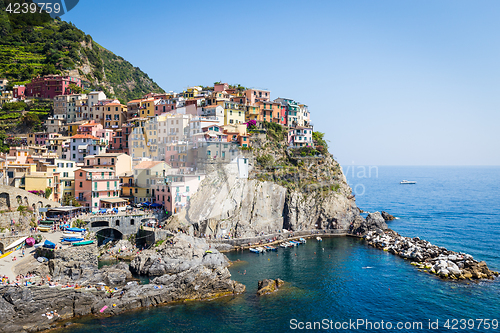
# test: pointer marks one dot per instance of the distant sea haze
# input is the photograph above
(454, 207)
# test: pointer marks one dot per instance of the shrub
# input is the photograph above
(265, 160)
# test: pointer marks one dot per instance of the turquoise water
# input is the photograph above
(453, 207)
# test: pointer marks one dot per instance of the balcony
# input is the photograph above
(100, 177)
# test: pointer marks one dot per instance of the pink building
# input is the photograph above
(93, 185)
(221, 86)
(164, 105)
(19, 92)
(50, 86)
(256, 95)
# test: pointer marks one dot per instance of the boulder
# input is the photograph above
(268, 286)
(387, 216)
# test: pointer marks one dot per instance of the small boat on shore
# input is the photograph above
(72, 235)
(44, 229)
(319, 239)
(5, 254)
(88, 242)
(408, 182)
(74, 239)
(48, 244)
(16, 243)
(302, 240)
(254, 250)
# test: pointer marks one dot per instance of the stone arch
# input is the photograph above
(26, 203)
(108, 233)
(132, 221)
(19, 200)
(48, 206)
(117, 223)
(40, 204)
(4, 201)
(34, 207)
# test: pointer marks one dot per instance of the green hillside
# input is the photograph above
(36, 44)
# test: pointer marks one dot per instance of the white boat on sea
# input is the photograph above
(408, 182)
(319, 239)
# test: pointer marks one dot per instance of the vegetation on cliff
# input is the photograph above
(36, 44)
(308, 169)
(21, 117)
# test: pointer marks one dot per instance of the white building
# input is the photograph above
(82, 145)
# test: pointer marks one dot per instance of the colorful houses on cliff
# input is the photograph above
(102, 154)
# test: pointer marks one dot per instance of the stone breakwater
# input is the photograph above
(192, 272)
(431, 258)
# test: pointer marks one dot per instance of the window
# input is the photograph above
(81, 184)
(187, 188)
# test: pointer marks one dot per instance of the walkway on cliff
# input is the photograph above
(280, 237)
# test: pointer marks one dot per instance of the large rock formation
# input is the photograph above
(315, 196)
(374, 221)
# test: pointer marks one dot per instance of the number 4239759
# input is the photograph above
(462, 324)
(24, 8)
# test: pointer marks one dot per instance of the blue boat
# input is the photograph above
(75, 230)
(254, 250)
(70, 240)
(49, 244)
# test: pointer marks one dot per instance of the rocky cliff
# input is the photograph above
(286, 189)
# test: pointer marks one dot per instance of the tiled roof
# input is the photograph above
(84, 136)
(147, 164)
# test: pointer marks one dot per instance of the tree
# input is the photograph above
(320, 142)
(70, 200)
(74, 89)
(48, 192)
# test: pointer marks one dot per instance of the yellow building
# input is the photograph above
(73, 127)
(234, 113)
(5, 96)
(114, 115)
(41, 181)
(252, 113)
(192, 92)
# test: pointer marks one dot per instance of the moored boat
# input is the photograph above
(44, 229)
(302, 240)
(408, 182)
(319, 239)
(254, 250)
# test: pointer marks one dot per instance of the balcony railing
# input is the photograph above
(102, 177)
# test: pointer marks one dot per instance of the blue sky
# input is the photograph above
(389, 82)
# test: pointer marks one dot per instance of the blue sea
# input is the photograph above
(330, 283)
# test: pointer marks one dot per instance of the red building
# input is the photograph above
(51, 85)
